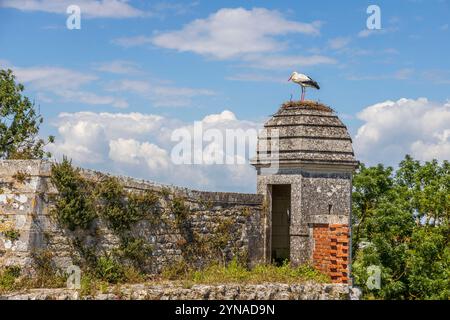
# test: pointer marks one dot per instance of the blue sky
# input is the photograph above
(179, 62)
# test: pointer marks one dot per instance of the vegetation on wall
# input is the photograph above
(46, 275)
(199, 250)
(74, 206)
(82, 203)
(401, 223)
(12, 234)
(236, 272)
(79, 205)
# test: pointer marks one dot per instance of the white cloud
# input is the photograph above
(69, 85)
(339, 42)
(407, 126)
(132, 41)
(134, 152)
(437, 76)
(89, 8)
(287, 62)
(161, 9)
(92, 98)
(256, 77)
(140, 145)
(229, 33)
(252, 36)
(65, 83)
(49, 78)
(401, 74)
(117, 67)
(161, 95)
(369, 32)
(225, 116)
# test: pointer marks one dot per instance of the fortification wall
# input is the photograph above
(230, 222)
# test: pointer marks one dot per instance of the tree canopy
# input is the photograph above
(19, 122)
(401, 223)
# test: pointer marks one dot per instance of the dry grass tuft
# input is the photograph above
(307, 104)
(234, 272)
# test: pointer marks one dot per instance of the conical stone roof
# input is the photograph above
(309, 133)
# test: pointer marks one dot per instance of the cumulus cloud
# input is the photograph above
(141, 145)
(392, 129)
(232, 32)
(237, 33)
(131, 151)
(89, 8)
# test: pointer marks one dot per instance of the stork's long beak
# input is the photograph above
(290, 78)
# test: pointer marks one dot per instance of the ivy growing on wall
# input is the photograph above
(80, 202)
(83, 205)
(74, 207)
(121, 208)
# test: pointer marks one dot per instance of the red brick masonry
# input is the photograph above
(331, 250)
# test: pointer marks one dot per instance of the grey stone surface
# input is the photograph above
(314, 155)
(306, 136)
(25, 207)
(170, 291)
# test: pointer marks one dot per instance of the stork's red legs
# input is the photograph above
(303, 94)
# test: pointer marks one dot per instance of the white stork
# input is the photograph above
(304, 81)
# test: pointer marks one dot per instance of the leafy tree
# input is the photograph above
(19, 122)
(401, 223)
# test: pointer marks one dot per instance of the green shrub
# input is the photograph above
(180, 210)
(142, 205)
(8, 278)
(12, 234)
(120, 208)
(47, 275)
(109, 270)
(74, 208)
(178, 270)
(21, 176)
(136, 250)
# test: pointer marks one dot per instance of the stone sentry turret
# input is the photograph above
(304, 164)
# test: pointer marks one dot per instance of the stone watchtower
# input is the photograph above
(304, 164)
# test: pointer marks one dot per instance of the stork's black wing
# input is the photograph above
(312, 83)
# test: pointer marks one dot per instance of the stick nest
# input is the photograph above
(308, 104)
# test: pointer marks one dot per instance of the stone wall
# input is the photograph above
(27, 226)
(170, 291)
(312, 151)
(318, 199)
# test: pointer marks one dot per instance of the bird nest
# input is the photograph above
(307, 104)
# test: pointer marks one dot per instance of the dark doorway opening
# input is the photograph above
(281, 216)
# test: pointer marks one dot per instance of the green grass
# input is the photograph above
(8, 278)
(236, 273)
(107, 274)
